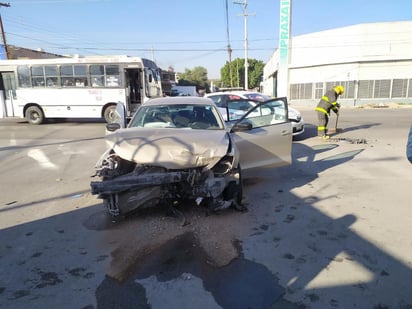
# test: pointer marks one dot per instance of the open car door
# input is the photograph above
(264, 135)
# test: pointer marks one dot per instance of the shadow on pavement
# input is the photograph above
(286, 243)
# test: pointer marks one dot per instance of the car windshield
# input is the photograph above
(185, 116)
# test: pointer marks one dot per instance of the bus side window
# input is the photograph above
(97, 81)
(80, 83)
(80, 75)
(112, 76)
(37, 74)
(67, 82)
(52, 75)
(23, 73)
(97, 75)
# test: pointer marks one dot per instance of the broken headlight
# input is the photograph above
(113, 166)
(224, 166)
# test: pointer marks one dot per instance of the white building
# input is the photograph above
(372, 61)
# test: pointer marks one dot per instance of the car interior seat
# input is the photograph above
(204, 117)
(182, 118)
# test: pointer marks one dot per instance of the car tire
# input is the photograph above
(235, 190)
(34, 115)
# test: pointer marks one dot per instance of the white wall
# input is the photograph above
(365, 42)
(358, 52)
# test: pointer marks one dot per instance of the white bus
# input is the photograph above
(76, 87)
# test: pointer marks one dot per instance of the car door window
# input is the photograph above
(236, 108)
(272, 112)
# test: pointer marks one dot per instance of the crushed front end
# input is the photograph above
(126, 186)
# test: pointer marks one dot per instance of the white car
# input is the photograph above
(179, 149)
(232, 108)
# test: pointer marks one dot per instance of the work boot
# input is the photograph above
(325, 137)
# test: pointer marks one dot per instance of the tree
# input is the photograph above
(255, 73)
(196, 77)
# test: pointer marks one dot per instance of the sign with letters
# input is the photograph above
(284, 47)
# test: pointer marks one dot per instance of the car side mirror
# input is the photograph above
(242, 126)
(113, 126)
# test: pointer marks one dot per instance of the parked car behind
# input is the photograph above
(226, 101)
(179, 148)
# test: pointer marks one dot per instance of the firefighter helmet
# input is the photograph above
(339, 89)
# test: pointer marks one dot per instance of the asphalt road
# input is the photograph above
(330, 231)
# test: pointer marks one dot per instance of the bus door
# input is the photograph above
(8, 87)
(134, 93)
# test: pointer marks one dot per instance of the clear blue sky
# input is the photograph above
(180, 33)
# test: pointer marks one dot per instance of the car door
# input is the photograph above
(264, 135)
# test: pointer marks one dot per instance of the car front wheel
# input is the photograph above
(234, 191)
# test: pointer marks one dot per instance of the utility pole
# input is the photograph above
(245, 15)
(2, 31)
(229, 49)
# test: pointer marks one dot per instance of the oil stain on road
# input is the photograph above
(240, 284)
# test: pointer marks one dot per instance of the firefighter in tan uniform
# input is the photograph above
(327, 103)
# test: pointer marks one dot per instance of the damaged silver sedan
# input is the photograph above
(178, 149)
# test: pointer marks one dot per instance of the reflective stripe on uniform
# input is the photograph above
(320, 109)
(321, 128)
(334, 106)
(325, 98)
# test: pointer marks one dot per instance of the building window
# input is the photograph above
(399, 88)
(410, 89)
(301, 91)
(365, 89)
(294, 91)
(348, 85)
(319, 90)
(349, 90)
(382, 88)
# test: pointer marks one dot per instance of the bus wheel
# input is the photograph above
(109, 113)
(34, 115)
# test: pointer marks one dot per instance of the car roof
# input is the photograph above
(179, 100)
(217, 93)
(235, 92)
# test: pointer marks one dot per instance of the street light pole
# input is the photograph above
(245, 14)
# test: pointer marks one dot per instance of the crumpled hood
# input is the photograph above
(169, 147)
